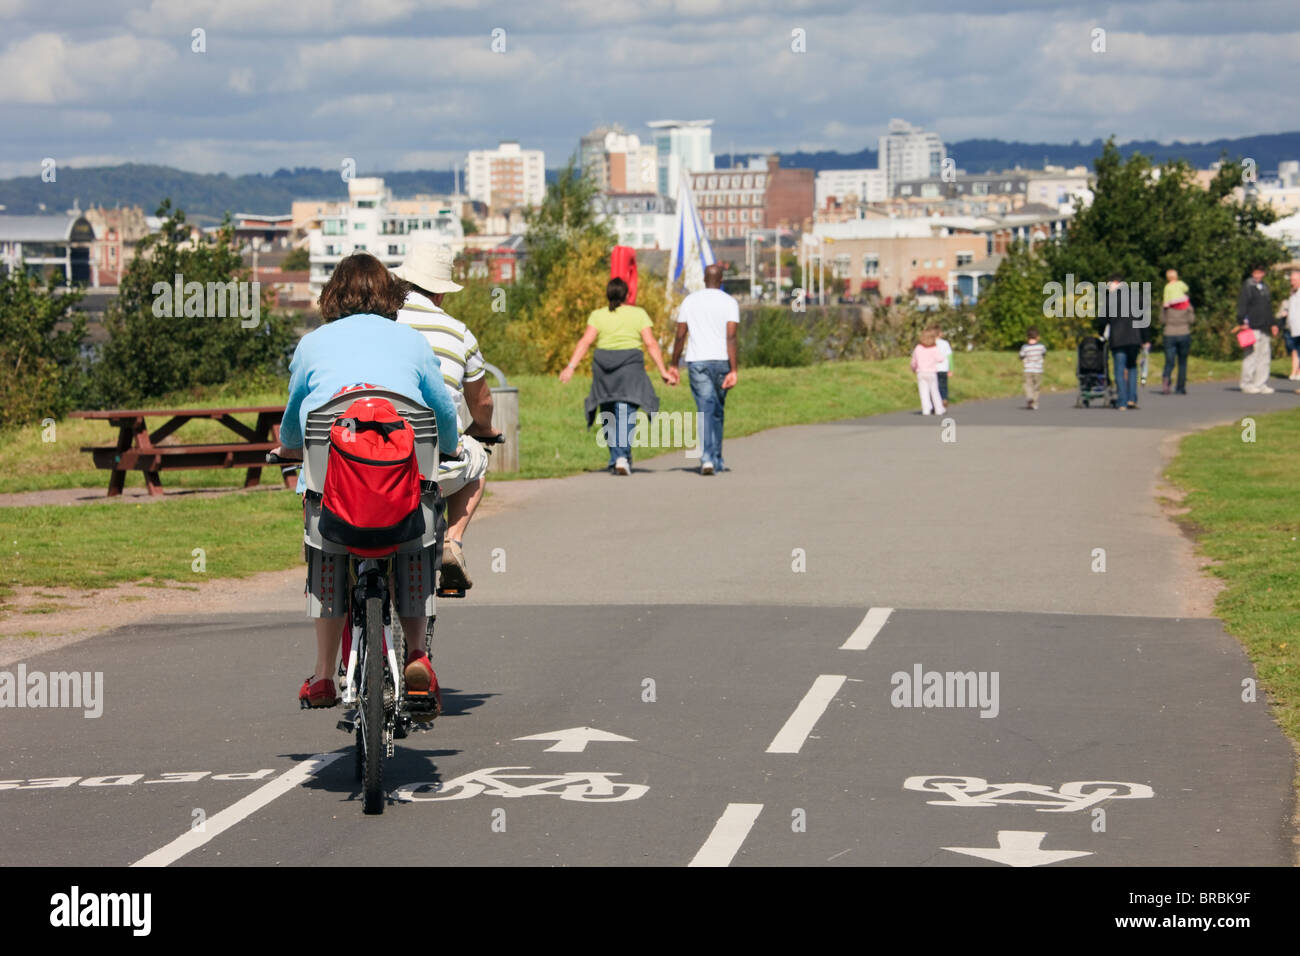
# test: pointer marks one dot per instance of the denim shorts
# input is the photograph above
(1291, 340)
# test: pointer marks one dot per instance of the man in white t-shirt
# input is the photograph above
(706, 326)
(945, 364)
(427, 269)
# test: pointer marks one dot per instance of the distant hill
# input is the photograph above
(205, 197)
(989, 155)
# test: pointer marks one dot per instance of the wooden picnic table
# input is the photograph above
(139, 449)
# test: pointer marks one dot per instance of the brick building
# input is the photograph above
(761, 195)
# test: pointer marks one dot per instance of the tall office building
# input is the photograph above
(681, 146)
(506, 176)
(909, 152)
(618, 162)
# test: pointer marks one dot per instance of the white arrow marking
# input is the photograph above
(1019, 848)
(575, 739)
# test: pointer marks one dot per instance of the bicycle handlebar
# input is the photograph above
(499, 439)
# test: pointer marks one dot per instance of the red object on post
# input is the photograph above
(622, 265)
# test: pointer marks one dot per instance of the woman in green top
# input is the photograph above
(619, 385)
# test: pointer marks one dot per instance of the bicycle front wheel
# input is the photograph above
(372, 707)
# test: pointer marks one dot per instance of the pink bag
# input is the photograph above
(1246, 338)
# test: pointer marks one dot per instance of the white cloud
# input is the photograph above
(47, 68)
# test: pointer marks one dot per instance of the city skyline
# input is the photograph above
(401, 85)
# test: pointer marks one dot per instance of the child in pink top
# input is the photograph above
(926, 359)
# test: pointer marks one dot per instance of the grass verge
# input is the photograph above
(1241, 497)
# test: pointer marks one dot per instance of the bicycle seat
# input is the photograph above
(316, 442)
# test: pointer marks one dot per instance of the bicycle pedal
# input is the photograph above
(450, 592)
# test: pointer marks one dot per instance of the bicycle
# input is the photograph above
(382, 708)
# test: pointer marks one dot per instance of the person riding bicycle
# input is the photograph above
(361, 342)
(427, 274)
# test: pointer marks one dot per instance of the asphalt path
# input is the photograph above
(746, 646)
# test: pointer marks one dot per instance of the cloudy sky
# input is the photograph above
(404, 84)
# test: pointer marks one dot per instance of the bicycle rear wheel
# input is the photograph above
(372, 707)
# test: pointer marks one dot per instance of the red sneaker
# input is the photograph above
(420, 678)
(321, 693)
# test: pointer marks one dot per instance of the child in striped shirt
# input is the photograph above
(1031, 354)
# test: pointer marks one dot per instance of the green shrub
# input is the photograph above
(152, 351)
(40, 335)
(774, 339)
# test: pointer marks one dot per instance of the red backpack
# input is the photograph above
(371, 498)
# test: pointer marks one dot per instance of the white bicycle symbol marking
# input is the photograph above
(1070, 798)
(585, 786)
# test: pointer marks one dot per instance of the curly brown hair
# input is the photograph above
(361, 284)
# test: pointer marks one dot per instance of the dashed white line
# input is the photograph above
(791, 737)
(728, 834)
(866, 632)
(219, 823)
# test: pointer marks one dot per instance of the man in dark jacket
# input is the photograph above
(1255, 311)
(1128, 329)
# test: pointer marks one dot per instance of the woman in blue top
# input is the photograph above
(361, 341)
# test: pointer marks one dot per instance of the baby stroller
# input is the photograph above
(1093, 370)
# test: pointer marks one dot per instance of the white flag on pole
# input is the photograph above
(690, 251)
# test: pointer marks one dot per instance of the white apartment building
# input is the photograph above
(909, 152)
(640, 220)
(681, 146)
(370, 222)
(1059, 187)
(506, 176)
(866, 185)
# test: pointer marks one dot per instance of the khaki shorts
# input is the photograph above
(455, 475)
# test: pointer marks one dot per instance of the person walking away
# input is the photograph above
(427, 274)
(945, 363)
(1176, 319)
(707, 322)
(1031, 357)
(1291, 309)
(619, 385)
(1255, 312)
(1127, 340)
(925, 362)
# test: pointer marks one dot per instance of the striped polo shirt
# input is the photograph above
(1032, 355)
(454, 344)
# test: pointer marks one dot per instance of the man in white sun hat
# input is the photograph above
(427, 270)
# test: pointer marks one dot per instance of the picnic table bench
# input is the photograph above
(139, 449)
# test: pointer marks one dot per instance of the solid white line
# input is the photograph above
(227, 818)
(728, 835)
(861, 639)
(796, 730)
